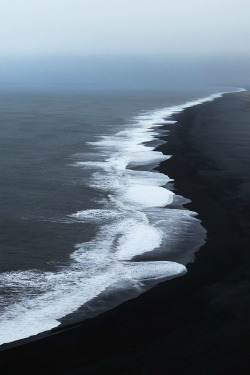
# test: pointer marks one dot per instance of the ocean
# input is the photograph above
(86, 219)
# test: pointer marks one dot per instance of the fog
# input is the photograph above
(92, 44)
(127, 72)
(108, 27)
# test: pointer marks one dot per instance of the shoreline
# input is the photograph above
(189, 324)
(104, 299)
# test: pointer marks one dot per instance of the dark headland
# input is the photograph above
(197, 324)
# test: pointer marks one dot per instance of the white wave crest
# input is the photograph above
(134, 222)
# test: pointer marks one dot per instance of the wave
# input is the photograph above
(138, 227)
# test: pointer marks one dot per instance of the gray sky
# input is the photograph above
(107, 27)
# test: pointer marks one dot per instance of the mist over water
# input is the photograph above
(85, 215)
(123, 72)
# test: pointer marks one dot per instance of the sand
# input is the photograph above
(197, 324)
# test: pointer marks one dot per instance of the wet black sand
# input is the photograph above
(196, 324)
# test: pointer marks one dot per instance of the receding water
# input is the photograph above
(81, 204)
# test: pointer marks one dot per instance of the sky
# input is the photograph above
(106, 43)
(108, 27)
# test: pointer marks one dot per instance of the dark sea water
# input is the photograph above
(86, 221)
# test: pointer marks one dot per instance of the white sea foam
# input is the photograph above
(132, 220)
(96, 215)
(136, 239)
(155, 270)
(149, 196)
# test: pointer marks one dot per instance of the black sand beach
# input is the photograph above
(197, 324)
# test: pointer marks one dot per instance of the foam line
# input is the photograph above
(133, 220)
